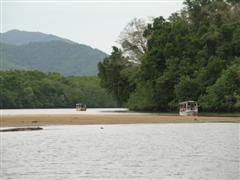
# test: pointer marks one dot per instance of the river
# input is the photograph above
(141, 151)
(96, 111)
(65, 111)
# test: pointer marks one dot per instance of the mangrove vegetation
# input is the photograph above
(192, 55)
(34, 89)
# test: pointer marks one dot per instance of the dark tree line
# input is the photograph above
(192, 55)
(34, 89)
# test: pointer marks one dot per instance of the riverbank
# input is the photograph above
(26, 120)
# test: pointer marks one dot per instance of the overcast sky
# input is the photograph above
(97, 24)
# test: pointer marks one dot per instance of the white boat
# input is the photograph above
(188, 108)
(81, 107)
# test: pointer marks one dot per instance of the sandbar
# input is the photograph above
(73, 119)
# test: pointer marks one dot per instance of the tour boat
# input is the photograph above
(81, 107)
(188, 108)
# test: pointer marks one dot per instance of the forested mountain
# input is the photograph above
(17, 37)
(34, 89)
(192, 55)
(47, 53)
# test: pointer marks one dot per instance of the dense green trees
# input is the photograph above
(113, 73)
(192, 55)
(225, 92)
(34, 89)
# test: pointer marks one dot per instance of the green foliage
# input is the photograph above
(224, 94)
(190, 56)
(142, 98)
(188, 52)
(34, 89)
(113, 74)
(186, 89)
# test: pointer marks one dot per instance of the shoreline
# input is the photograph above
(38, 120)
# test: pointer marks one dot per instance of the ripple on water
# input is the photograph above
(151, 151)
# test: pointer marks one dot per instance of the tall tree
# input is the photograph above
(112, 76)
(132, 40)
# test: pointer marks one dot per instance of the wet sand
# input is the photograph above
(26, 120)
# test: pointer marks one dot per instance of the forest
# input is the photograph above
(192, 55)
(34, 89)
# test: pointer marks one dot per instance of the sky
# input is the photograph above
(96, 23)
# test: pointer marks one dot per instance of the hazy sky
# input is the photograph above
(97, 24)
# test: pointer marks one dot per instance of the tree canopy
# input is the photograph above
(34, 89)
(192, 55)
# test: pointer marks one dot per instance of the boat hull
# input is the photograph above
(188, 113)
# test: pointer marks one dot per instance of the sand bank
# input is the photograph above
(25, 120)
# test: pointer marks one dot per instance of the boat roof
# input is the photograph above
(184, 102)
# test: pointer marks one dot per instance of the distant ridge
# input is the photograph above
(47, 53)
(17, 37)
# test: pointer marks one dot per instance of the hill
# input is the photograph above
(48, 53)
(17, 37)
